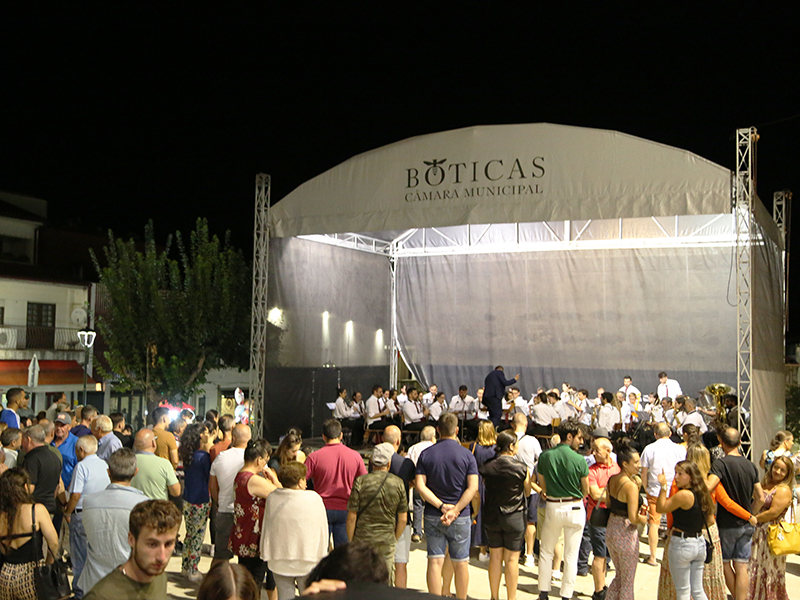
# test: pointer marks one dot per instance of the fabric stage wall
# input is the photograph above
(587, 317)
(307, 279)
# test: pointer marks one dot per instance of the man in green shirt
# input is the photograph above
(564, 478)
(153, 530)
(378, 506)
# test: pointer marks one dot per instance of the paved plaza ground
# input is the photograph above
(646, 578)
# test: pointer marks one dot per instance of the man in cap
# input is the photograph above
(377, 511)
(65, 442)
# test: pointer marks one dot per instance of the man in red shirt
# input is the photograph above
(600, 472)
(333, 468)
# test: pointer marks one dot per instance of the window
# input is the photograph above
(41, 315)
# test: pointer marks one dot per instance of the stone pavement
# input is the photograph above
(646, 578)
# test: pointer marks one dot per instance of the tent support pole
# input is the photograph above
(258, 319)
(393, 337)
(744, 196)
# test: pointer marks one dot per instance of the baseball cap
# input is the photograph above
(382, 454)
(63, 418)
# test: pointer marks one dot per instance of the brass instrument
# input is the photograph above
(718, 390)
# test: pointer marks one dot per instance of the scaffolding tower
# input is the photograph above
(743, 205)
(258, 319)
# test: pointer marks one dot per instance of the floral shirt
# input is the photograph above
(247, 513)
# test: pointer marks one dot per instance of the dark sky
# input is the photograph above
(119, 115)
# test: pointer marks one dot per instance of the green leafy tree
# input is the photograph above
(171, 320)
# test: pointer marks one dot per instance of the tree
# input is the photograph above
(171, 320)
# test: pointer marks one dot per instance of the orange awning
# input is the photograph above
(51, 372)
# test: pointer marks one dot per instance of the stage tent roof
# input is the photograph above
(504, 174)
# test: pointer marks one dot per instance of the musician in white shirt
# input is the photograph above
(543, 414)
(402, 397)
(628, 387)
(483, 412)
(349, 416)
(668, 387)
(518, 402)
(465, 407)
(588, 407)
(693, 416)
(377, 411)
(669, 412)
(415, 412)
(608, 415)
(427, 399)
(438, 407)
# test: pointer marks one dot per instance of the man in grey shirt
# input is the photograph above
(106, 516)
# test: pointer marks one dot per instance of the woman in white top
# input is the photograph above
(294, 532)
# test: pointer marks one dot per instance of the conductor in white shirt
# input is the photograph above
(668, 387)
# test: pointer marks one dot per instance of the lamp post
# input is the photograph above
(86, 338)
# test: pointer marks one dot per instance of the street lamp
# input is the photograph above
(86, 338)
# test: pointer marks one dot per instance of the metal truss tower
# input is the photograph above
(781, 213)
(258, 322)
(743, 205)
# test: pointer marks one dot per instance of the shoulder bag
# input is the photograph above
(51, 580)
(709, 543)
(784, 536)
(375, 495)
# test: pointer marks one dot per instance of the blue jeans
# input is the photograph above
(686, 562)
(736, 542)
(455, 537)
(337, 526)
(419, 509)
(78, 549)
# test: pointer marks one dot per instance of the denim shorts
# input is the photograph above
(597, 536)
(735, 542)
(455, 536)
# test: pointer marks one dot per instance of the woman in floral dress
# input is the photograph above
(767, 571)
(251, 487)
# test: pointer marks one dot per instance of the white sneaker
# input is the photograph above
(483, 557)
(530, 561)
(195, 577)
(556, 575)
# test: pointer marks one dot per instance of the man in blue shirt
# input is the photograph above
(106, 516)
(107, 442)
(447, 479)
(65, 442)
(90, 475)
(16, 400)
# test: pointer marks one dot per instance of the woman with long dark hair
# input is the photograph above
(622, 533)
(251, 487)
(23, 527)
(193, 452)
(692, 511)
(288, 451)
(507, 485)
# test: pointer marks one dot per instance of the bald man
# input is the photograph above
(600, 472)
(404, 468)
(156, 477)
(220, 484)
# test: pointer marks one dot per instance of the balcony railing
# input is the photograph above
(21, 337)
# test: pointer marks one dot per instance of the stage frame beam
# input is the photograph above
(743, 205)
(260, 310)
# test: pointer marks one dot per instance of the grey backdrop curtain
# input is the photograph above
(587, 317)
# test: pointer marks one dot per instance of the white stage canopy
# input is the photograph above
(563, 253)
(504, 174)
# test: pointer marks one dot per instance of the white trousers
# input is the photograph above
(571, 518)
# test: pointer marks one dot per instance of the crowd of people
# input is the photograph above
(544, 483)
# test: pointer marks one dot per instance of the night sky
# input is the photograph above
(119, 115)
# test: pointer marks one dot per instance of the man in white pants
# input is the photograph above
(564, 479)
